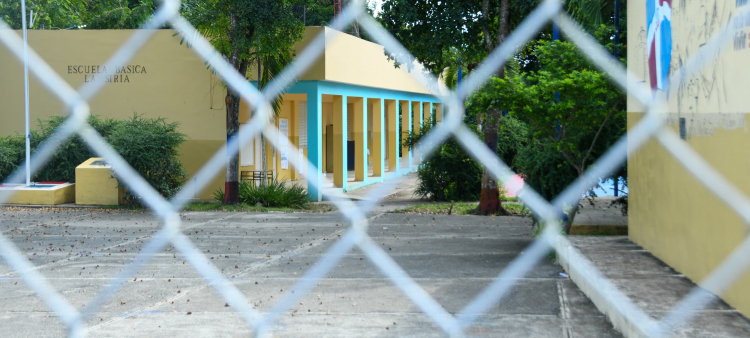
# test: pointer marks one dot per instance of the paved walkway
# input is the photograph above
(599, 217)
(452, 257)
(655, 287)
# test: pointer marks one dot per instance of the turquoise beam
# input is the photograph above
(314, 141)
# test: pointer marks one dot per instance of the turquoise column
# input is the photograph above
(397, 158)
(410, 158)
(421, 126)
(340, 132)
(314, 141)
(381, 139)
(362, 121)
(432, 116)
(345, 141)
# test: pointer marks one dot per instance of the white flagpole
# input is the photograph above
(26, 85)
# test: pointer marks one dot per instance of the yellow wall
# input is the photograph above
(678, 219)
(352, 60)
(176, 86)
(348, 59)
(670, 213)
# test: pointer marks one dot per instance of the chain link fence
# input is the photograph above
(651, 126)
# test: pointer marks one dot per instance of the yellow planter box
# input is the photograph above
(96, 184)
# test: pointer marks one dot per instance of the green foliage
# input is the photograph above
(563, 137)
(449, 174)
(428, 28)
(512, 136)
(274, 194)
(119, 14)
(50, 14)
(593, 13)
(61, 166)
(544, 169)
(150, 146)
(12, 149)
(587, 119)
(246, 28)
(314, 12)
(65, 14)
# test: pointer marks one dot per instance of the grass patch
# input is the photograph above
(461, 208)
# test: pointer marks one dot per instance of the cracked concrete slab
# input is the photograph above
(453, 258)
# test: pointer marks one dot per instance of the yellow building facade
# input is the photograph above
(671, 214)
(352, 87)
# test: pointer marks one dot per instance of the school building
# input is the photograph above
(345, 114)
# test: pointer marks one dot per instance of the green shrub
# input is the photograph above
(449, 174)
(149, 145)
(275, 194)
(12, 149)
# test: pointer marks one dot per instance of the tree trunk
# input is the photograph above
(571, 215)
(232, 178)
(489, 200)
(264, 180)
(262, 140)
(231, 182)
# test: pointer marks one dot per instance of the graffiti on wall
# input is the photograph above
(658, 41)
(672, 32)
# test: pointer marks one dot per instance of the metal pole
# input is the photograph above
(460, 70)
(460, 75)
(614, 51)
(26, 96)
(617, 26)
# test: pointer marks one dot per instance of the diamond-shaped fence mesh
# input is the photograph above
(651, 126)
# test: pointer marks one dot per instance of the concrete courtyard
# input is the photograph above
(452, 257)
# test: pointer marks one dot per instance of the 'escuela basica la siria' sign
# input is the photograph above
(93, 73)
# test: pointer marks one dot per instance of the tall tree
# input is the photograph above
(243, 31)
(569, 133)
(429, 28)
(489, 200)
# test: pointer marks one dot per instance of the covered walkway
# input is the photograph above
(348, 115)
